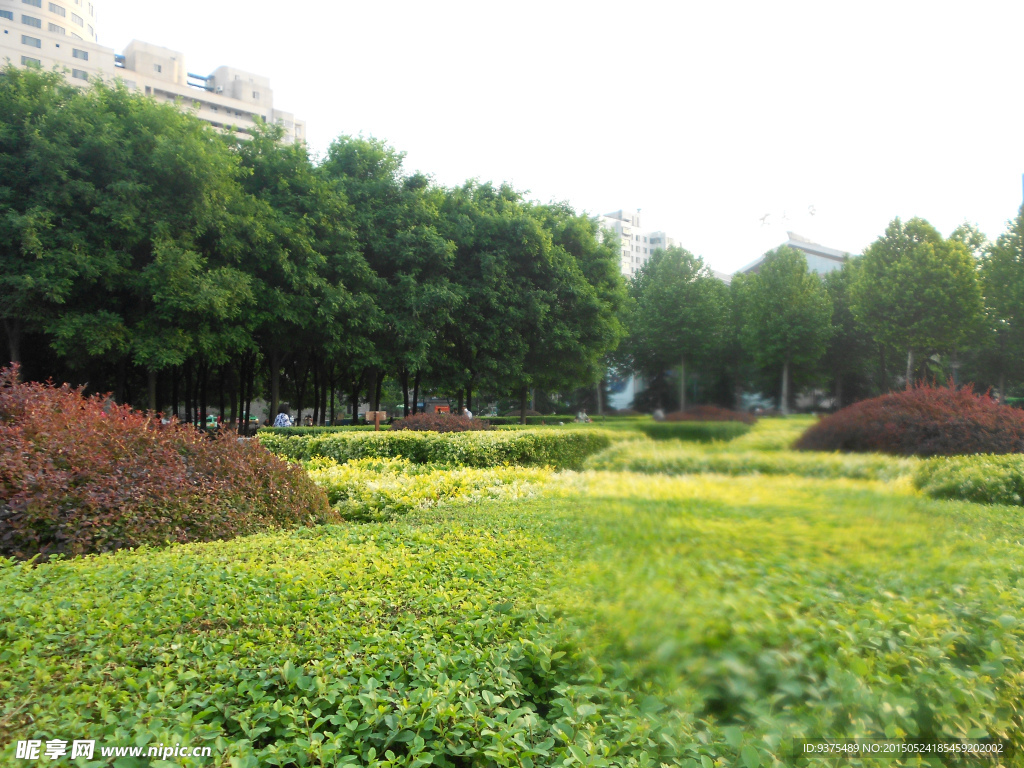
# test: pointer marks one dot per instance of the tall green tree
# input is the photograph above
(917, 291)
(1002, 280)
(314, 289)
(395, 220)
(680, 315)
(785, 315)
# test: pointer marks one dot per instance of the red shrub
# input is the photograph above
(440, 422)
(711, 413)
(924, 421)
(80, 475)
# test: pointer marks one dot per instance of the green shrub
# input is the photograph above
(680, 459)
(986, 479)
(559, 449)
(695, 431)
(379, 489)
(319, 430)
(532, 421)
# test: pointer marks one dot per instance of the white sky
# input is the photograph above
(706, 115)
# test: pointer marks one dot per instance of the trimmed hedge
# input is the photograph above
(711, 413)
(534, 421)
(662, 459)
(79, 475)
(319, 430)
(440, 422)
(984, 479)
(383, 489)
(923, 421)
(694, 431)
(559, 449)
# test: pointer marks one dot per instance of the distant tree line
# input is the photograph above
(916, 306)
(144, 253)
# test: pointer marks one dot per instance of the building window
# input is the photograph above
(32, 21)
(77, 37)
(79, 74)
(6, 15)
(35, 42)
(255, 94)
(29, 62)
(158, 68)
(78, 19)
(36, 3)
(92, 32)
(78, 53)
(58, 29)
(58, 9)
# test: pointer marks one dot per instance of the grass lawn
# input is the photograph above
(622, 616)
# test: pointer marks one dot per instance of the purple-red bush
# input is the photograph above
(80, 475)
(923, 421)
(711, 413)
(440, 422)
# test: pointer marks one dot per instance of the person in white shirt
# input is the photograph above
(283, 419)
(467, 413)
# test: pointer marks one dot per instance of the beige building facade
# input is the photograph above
(62, 34)
(636, 243)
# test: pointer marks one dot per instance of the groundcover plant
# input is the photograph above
(615, 618)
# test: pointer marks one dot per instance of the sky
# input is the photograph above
(726, 123)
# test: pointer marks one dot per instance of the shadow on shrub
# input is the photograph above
(440, 422)
(80, 475)
(695, 431)
(923, 421)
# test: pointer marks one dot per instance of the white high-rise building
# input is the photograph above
(62, 34)
(637, 243)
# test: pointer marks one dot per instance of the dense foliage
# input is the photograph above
(80, 475)
(619, 619)
(382, 489)
(923, 421)
(441, 422)
(559, 449)
(143, 251)
(984, 479)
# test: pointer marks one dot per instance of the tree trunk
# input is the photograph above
(250, 386)
(13, 328)
(839, 391)
(235, 383)
(122, 381)
(1002, 387)
(379, 375)
(416, 393)
(910, 369)
(404, 376)
(174, 392)
(533, 399)
(221, 408)
(356, 386)
(323, 398)
(151, 390)
(461, 401)
(188, 392)
(316, 392)
(469, 397)
(682, 383)
(600, 397)
(523, 394)
(784, 405)
(204, 373)
(275, 360)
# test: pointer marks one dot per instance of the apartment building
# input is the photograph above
(62, 34)
(637, 243)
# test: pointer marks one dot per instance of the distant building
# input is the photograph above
(636, 243)
(820, 260)
(62, 33)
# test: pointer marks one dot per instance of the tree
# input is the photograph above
(917, 291)
(680, 314)
(395, 219)
(850, 348)
(785, 315)
(1002, 279)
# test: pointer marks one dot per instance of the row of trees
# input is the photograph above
(146, 254)
(950, 307)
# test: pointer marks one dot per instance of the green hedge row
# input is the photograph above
(694, 431)
(319, 430)
(987, 479)
(562, 450)
(661, 459)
